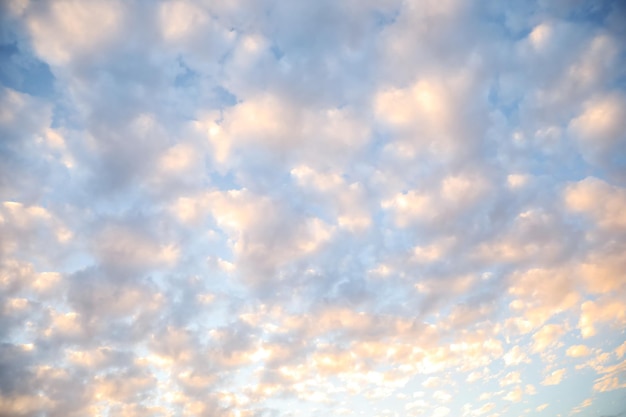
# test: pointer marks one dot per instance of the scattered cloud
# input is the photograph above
(578, 351)
(252, 208)
(554, 378)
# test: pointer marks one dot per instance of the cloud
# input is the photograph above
(578, 351)
(542, 293)
(581, 197)
(250, 208)
(24, 119)
(441, 412)
(515, 356)
(586, 403)
(554, 378)
(611, 379)
(510, 378)
(515, 395)
(594, 313)
(599, 129)
(547, 336)
(66, 30)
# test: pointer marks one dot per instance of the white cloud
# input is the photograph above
(593, 313)
(69, 29)
(510, 379)
(600, 128)
(554, 378)
(577, 351)
(514, 395)
(515, 356)
(542, 293)
(546, 337)
(179, 19)
(584, 195)
(220, 208)
(441, 412)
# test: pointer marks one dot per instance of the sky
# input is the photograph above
(263, 208)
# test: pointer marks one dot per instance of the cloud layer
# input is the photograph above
(260, 208)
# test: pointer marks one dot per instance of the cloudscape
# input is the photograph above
(265, 208)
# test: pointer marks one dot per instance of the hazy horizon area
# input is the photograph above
(303, 208)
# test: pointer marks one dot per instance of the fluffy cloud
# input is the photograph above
(355, 208)
(554, 378)
(578, 351)
(600, 131)
(583, 197)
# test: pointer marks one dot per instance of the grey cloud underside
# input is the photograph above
(277, 208)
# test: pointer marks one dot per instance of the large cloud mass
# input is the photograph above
(312, 208)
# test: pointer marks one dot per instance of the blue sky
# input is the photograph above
(313, 208)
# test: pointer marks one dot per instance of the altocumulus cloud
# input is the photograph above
(312, 208)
